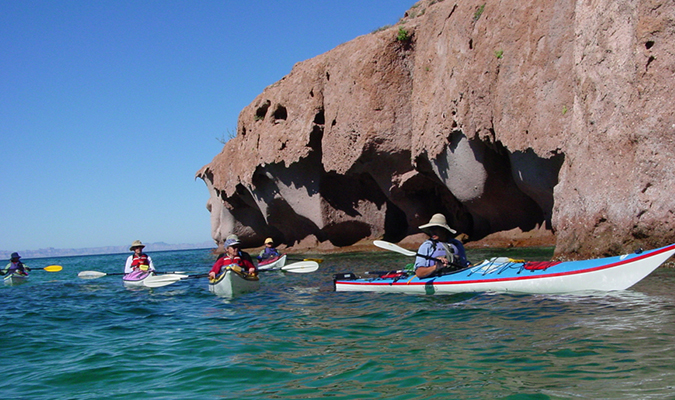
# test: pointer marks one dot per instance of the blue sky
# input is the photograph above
(108, 108)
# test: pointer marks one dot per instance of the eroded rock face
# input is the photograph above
(515, 115)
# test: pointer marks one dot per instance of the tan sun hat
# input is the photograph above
(269, 240)
(438, 220)
(136, 243)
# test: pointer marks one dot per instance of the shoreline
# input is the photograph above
(505, 240)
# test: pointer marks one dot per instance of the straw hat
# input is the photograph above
(136, 243)
(438, 220)
(269, 240)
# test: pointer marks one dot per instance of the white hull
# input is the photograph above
(230, 284)
(278, 264)
(15, 279)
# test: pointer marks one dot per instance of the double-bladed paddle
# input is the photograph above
(167, 278)
(97, 274)
(298, 268)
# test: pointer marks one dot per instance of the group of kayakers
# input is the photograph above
(441, 252)
(233, 254)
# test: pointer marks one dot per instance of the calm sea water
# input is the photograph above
(295, 338)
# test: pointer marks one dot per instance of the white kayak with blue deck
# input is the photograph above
(506, 275)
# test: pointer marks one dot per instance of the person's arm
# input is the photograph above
(127, 266)
(248, 266)
(151, 266)
(423, 272)
(425, 265)
(215, 270)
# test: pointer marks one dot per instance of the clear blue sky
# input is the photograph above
(108, 108)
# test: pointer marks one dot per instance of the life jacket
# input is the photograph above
(441, 249)
(17, 268)
(226, 261)
(268, 252)
(139, 261)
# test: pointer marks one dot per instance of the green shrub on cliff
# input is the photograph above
(402, 35)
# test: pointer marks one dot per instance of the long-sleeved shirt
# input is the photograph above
(431, 249)
(12, 267)
(128, 267)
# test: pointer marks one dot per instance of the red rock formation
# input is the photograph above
(502, 115)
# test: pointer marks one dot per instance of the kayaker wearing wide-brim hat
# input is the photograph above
(440, 250)
(138, 260)
(233, 255)
(15, 265)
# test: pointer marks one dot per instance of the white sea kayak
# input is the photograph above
(15, 278)
(233, 282)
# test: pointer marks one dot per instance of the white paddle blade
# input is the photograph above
(162, 280)
(301, 267)
(159, 283)
(90, 274)
(392, 247)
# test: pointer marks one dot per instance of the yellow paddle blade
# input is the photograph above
(53, 268)
(319, 260)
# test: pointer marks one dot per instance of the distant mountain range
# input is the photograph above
(150, 247)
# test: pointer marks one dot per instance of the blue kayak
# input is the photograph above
(504, 274)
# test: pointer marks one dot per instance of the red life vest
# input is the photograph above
(139, 260)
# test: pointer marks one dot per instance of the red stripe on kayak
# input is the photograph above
(519, 278)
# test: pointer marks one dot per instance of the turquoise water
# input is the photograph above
(295, 338)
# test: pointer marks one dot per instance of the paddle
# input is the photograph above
(97, 274)
(317, 260)
(162, 280)
(301, 267)
(50, 268)
(298, 268)
(390, 246)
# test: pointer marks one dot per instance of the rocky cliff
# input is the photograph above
(541, 115)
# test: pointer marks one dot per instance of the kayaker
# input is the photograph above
(244, 255)
(269, 251)
(138, 261)
(15, 265)
(233, 255)
(440, 250)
